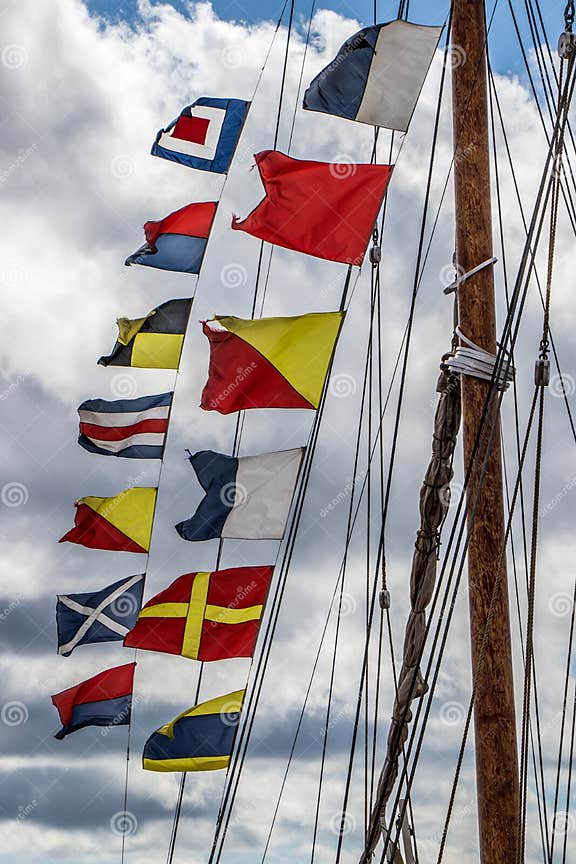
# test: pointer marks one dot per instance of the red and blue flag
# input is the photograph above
(177, 242)
(104, 700)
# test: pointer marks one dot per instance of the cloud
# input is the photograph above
(81, 102)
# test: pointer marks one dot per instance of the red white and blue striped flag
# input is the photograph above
(134, 428)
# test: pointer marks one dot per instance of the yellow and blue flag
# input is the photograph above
(199, 739)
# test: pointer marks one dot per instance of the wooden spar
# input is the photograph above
(494, 715)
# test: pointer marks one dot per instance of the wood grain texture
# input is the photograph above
(494, 718)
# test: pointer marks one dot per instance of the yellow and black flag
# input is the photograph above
(152, 342)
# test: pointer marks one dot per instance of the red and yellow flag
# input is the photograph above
(205, 616)
(270, 362)
(122, 523)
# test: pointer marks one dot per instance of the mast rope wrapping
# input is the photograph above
(434, 504)
(470, 359)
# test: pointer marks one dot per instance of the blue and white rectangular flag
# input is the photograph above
(107, 615)
(133, 428)
(377, 75)
(247, 498)
(205, 134)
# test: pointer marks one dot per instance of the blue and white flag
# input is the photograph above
(133, 428)
(247, 498)
(98, 616)
(377, 75)
(205, 134)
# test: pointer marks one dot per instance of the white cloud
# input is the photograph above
(81, 102)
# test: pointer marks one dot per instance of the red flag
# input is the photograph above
(324, 209)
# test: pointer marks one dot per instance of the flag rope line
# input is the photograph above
(198, 279)
(240, 418)
(342, 306)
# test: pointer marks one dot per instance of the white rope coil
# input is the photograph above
(470, 359)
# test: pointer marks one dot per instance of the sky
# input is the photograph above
(83, 91)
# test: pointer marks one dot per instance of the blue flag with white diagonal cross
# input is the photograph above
(107, 615)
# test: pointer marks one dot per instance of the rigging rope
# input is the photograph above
(510, 332)
(542, 379)
(540, 788)
(489, 622)
(519, 300)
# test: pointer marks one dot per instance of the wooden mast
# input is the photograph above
(494, 717)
